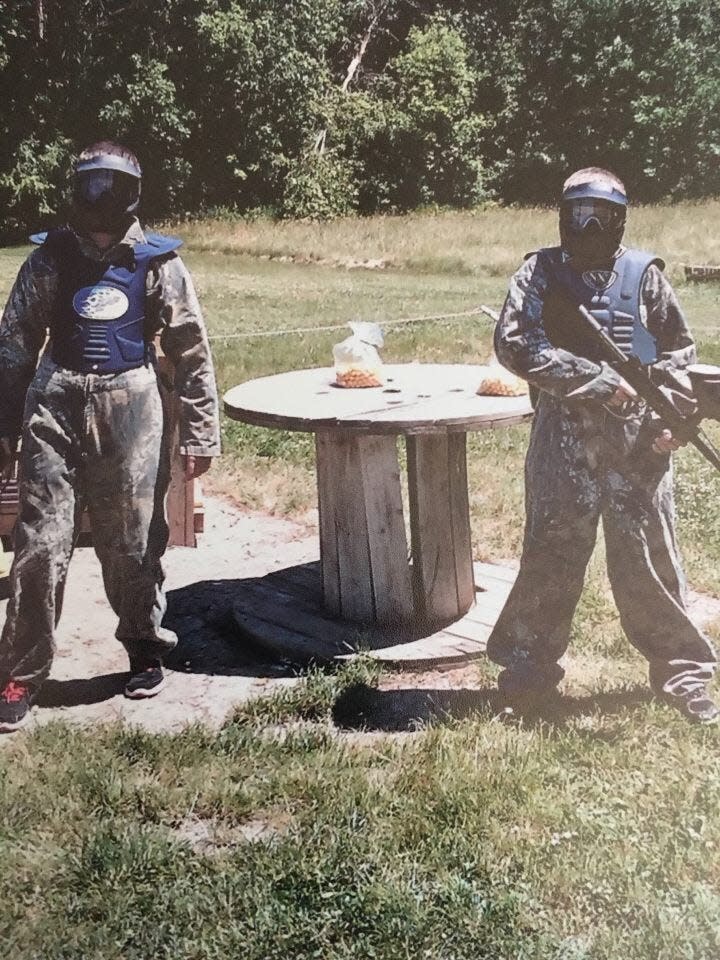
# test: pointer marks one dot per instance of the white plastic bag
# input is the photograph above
(357, 361)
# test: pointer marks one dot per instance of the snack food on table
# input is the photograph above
(357, 377)
(499, 382)
(357, 362)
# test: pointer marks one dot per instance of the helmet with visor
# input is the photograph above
(592, 215)
(105, 187)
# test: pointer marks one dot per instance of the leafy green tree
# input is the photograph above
(415, 132)
(632, 85)
(252, 103)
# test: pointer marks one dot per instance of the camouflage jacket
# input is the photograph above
(522, 345)
(173, 313)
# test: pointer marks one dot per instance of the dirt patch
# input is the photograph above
(214, 669)
(211, 838)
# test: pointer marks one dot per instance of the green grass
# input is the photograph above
(595, 838)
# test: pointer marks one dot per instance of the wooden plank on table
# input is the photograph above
(302, 579)
(488, 607)
(485, 618)
(433, 563)
(460, 520)
(491, 595)
(281, 642)
(344, 543)
(468, 629)
(493, 572)
(265, 601)
(440, 526)
(416, 398)
(325, 460)
(421, 655)
(389, 564)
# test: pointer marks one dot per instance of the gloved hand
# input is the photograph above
(8, 453)
(665, 442)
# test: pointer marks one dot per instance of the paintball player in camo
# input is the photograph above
(90, 416)
(594, 453)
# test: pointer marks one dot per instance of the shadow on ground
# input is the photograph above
(209, 639)
(209, 642)
(363, 707)
(77, 692)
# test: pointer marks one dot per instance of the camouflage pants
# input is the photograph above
(92, 441)
(573, 481)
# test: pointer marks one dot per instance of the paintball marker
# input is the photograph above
(704, 379)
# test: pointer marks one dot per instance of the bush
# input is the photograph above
(319, 186)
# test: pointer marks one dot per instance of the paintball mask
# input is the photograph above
(106, 191)
(592, 221)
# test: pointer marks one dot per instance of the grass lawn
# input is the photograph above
(595, 837)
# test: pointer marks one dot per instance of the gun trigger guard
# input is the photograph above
(628, 409)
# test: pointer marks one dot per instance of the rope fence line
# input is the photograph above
(402, 321)
(476, 311)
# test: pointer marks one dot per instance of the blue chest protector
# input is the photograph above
(98, 320)
(613, 297)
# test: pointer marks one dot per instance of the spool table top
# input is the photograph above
(416, 398)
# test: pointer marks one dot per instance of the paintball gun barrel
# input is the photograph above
(705, 381)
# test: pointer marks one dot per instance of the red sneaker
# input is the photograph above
(15, 702)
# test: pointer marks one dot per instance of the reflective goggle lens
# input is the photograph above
(96, 186)
(577, 214)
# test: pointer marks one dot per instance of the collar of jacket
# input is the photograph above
(134, 234)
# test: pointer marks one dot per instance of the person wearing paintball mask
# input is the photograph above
(595, 453)
(91, 298)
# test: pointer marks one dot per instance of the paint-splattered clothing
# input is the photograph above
(95, 441)
(586, 462)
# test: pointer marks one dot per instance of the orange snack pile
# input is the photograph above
(500, 382)
(356, 377)
(502, 385)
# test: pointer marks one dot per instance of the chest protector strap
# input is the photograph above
(98, 320)
(613, 297)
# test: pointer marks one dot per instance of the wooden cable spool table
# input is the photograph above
(368, 573)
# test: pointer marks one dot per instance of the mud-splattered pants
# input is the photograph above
(571, 481)
(90, 441)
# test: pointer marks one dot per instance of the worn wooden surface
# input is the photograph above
(440, 526)
(416, 398)
(283, 615)
(366, 576)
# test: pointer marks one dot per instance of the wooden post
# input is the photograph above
(363, 548)
(180, 503)
(440, 526)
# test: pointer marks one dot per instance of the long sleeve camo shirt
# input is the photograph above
(173, 313)
(522, 344)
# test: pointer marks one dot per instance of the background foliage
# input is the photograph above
(235, 105)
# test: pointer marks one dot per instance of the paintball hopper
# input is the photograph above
(705, 381)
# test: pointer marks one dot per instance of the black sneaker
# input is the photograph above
(15, 702)
(146, 679)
